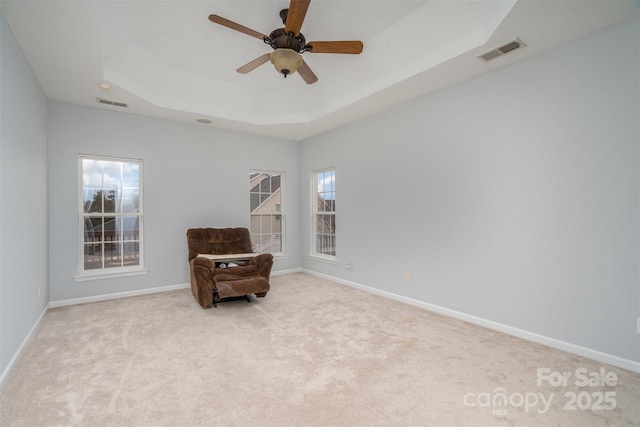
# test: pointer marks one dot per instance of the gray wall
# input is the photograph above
(194, 176)
(23, 198)
(512, 196)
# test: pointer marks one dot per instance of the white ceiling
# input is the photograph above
(166, 59)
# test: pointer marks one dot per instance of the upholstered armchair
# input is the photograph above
(212, 280)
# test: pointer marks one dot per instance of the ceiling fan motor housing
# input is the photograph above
(280, 39)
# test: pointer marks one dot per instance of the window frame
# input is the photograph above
(108, 272)
(281, 212)
(315, 213)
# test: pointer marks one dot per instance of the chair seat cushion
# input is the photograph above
(229, 287)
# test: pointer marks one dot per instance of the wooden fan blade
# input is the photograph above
(295, 16)
(346, 46)
(307, 75)
(253, 64)
(235, 26)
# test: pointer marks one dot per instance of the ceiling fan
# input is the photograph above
(289, 44)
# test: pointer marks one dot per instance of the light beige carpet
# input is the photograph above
(311, 353)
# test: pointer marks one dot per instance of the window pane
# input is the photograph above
(117, 201)
(320, 223)
(328, 203)
(255, 224)
(266, 241)
(320, 181)
(130, 228)
(92, 200)
(265, 185)
(254, 200)
(109, 200)
(266, 224)
(275, 182)
(112, 255)
(91, 173)
(130, 175)
(130, 200)
(111, 174)
(92, 256)
(110, 229)
(276, 223)
(331, 224)
(131, 251)
(93, 230)
(276, 243)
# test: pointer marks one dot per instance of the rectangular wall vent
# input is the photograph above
(114, 103)
(501, 50)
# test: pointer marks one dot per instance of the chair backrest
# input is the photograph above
(218, 241)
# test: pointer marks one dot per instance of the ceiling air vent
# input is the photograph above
(114, 103)
(501, 50)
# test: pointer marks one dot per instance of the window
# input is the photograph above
(111, 216)
(324, 213)
(266, 191)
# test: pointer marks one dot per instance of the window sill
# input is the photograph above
(88, 277)
(328, 260)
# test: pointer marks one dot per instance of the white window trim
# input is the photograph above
(331, 259)
(282, 212)
(108, 273)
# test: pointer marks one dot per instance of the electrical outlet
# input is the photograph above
(347, 264)
(38, 292)
(408, 276)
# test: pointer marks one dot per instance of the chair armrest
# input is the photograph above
(202, 283)
(204, 262)
(263, 262)
(260, 259)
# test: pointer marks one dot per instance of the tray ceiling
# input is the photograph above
(166, 59)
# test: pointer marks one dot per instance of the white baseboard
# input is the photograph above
(17, 354)
(105, 297)
(489, 324)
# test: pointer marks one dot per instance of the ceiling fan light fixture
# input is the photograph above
(285, 60)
